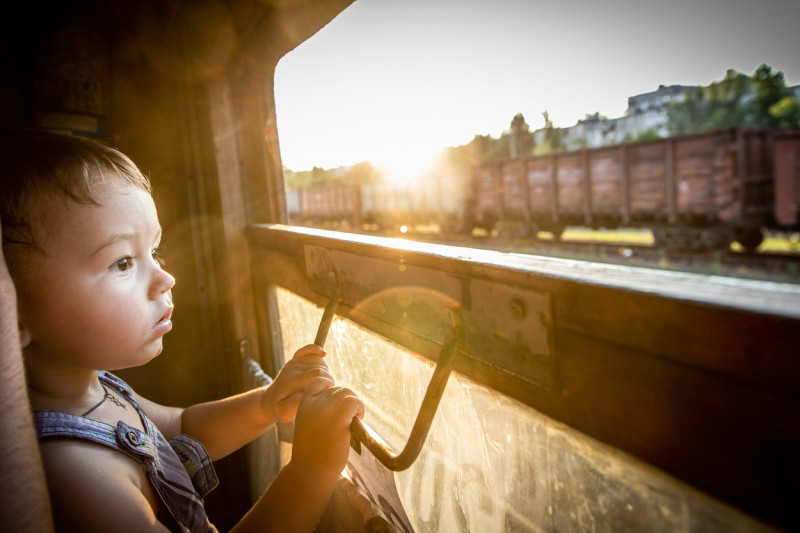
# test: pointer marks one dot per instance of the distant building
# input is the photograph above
(646, 112)
(592, 131)
(649, 111)
(659, 99)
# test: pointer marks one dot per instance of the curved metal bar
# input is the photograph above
(362, 434)
(325, 323)
(400, 461)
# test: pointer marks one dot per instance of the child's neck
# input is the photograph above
(68, 390)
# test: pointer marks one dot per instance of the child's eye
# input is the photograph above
(122, 265)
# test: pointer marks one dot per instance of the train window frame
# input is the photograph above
(624, 323)
(588, 320)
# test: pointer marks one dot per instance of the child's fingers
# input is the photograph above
(311, 369)
(317, 385)
(348, 402)
(320, 373)
(344, 401)
(309, 361)
(309, 349)
(354, 406)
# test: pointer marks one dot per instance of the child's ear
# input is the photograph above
(24, 336)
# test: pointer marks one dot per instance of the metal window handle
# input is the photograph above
(325, 323)
(362, 434)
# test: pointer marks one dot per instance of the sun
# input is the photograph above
(405, 166)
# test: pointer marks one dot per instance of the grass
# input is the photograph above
(623, 235)
(774, 242)
(786, 242)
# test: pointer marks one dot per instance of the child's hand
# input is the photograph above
(322, 428)
(283, 395)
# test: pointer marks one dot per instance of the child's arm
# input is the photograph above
(90, 481)
(223, 426)
(297, 498)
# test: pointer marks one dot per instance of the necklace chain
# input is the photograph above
(115, 400)
(106, 396)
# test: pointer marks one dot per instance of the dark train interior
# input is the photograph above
(581, 397)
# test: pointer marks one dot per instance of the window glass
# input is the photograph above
(490, 464)
(459, 122)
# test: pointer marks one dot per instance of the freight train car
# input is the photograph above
(440, 200)
(699, 191)
(325, 204)
(787, 180)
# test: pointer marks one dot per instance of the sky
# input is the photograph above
(396, 81)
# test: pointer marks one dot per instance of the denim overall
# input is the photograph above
(179, 470)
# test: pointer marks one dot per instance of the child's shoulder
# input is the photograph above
(71, 463)
(85, 477)
(66, 455)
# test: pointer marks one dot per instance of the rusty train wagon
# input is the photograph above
(699, 191)
(503, 392)
(334, 205)
(787, 182)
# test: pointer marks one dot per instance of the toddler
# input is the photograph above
(81, 238)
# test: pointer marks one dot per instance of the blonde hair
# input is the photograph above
(36, 164)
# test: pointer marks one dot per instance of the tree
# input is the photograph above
(737, 100)
(553, 137)
(786, 112)
(521, 142)
(361, 173)
(770, 88)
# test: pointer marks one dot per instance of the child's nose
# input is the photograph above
(163, 282)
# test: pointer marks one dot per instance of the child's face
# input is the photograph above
(97, 298)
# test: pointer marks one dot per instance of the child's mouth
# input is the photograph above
(164, 324)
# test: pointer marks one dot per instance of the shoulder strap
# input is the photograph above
(109, 379)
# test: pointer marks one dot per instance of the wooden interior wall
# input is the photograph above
(185, 89)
